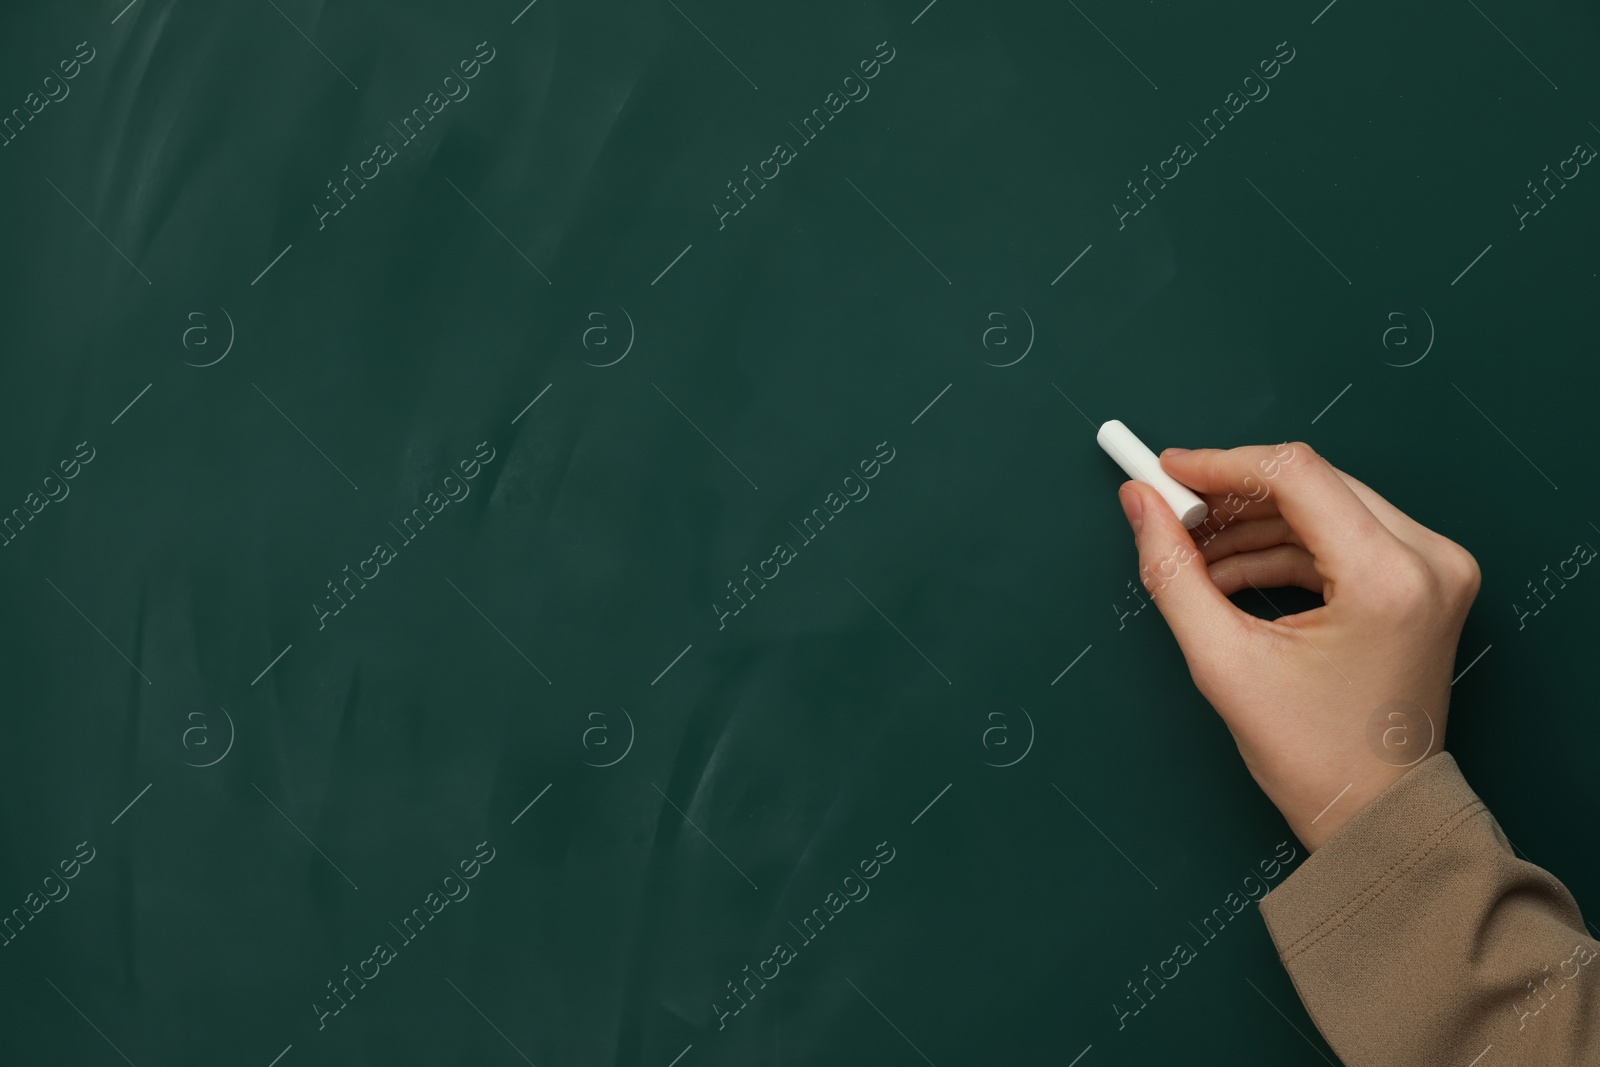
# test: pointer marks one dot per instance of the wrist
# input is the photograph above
(1315, 827)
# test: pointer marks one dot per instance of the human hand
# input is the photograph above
(1312, 698)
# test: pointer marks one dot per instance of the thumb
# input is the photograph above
(1174, 574)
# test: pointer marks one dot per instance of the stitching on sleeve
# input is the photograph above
(1387, 878)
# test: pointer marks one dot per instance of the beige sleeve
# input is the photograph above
(1415, 938)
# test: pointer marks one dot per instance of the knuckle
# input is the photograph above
(1462, 573)
(1301, 457)
(1406, 585)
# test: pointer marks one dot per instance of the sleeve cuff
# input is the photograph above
(1378, 847)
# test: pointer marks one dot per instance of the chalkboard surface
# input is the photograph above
(572, 533)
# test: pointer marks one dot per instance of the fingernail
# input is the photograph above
(1174, 451)
(1132, 507)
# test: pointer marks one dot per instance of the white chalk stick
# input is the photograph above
(1141, 464)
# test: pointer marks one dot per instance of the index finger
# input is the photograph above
(1316, 502)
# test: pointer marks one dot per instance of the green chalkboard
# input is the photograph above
(571, 533)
